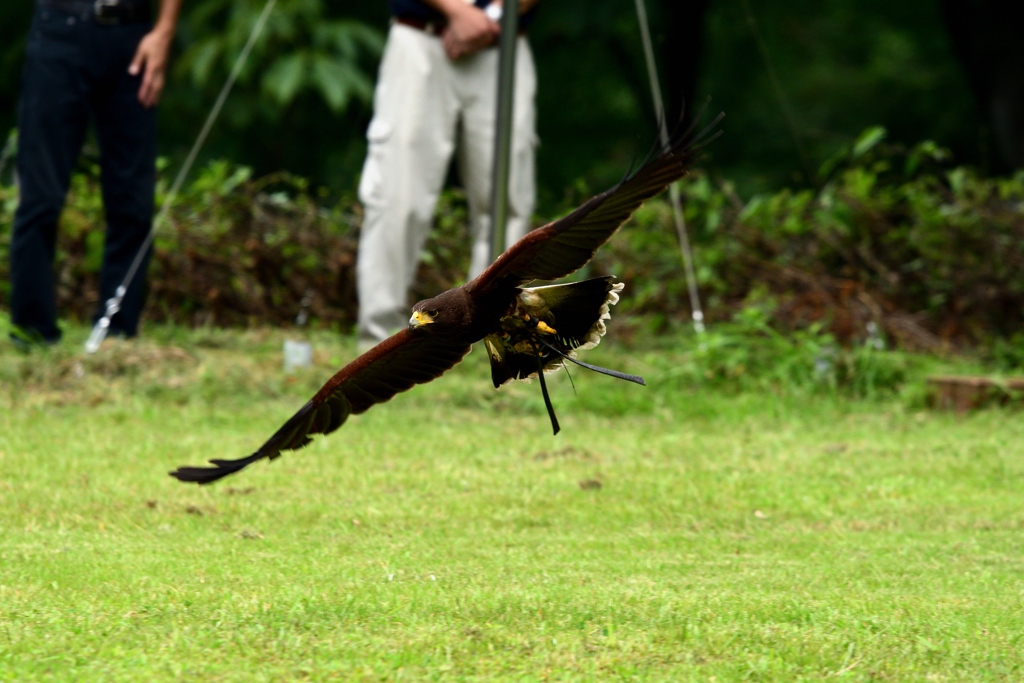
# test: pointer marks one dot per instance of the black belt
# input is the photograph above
(105, 11)
(434, 28)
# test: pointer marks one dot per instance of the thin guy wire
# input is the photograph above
(779, 93)
(99, 331)
(7, 153)
(697, 311)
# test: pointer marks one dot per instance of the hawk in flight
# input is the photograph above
(526, 330)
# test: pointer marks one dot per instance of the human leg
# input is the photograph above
(476, 149)
(411, 139)
(52, 117)
(127, 137)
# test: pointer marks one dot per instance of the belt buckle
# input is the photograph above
(105, 11)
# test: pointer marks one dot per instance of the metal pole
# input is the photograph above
(503, 125)
(677, 206)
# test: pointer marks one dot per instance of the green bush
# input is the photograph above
(234, 250)
(748, 354)
(891, 240)
(893, 248)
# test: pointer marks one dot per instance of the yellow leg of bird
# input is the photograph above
(544, 328)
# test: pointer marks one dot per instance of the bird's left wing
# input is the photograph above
(566, 245)
(397, 364)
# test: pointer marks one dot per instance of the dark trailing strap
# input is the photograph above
(596, 368)
(544, 391)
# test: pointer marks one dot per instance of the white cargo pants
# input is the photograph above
(420, 99)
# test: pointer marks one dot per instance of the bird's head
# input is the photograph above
(441, 313)
(423, 317)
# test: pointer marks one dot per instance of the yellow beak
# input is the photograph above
(419, 319)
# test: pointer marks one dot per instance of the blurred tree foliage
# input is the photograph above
(303, 101)
(894, 243)
(302, 96)
(842, 66)
(302, 49)
(895, 246)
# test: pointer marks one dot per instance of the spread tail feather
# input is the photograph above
(577, 310)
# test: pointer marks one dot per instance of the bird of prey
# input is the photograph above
(527, 331)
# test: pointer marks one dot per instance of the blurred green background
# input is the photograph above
(863, 186)
(304, 99)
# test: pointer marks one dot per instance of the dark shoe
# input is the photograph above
(25, 339)
(118, 333)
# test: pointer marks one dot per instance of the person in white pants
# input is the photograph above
(438, 81)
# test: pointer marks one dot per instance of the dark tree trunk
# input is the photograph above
(987, 37)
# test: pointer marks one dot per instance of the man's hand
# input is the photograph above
(468, 31)
(151, 60)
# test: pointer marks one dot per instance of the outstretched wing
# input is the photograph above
(404, 360)
(566, 245)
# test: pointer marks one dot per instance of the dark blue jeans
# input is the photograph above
(76, 69)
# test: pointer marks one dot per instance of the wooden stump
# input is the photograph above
(967, 393)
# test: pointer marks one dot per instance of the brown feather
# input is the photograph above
(397, 364)
(566, 245)
(464, 315)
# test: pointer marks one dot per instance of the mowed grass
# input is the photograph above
(667, 534)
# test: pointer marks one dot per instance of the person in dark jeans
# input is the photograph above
(99, 59)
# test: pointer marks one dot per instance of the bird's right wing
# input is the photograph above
(567, 244)
(397, 364)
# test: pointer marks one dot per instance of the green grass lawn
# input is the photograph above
(668, 533)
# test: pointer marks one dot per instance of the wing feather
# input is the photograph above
(395, 365)
(567, 244)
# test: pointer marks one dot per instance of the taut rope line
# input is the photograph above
(673, 190)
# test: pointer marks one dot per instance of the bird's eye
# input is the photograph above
(432, 313)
